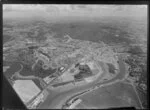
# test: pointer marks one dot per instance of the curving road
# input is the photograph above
(59, 96)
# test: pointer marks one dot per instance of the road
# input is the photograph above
(58, 96)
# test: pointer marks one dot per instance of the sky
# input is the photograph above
(76, 10)
(68, 7)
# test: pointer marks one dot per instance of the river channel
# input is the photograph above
(57, 97)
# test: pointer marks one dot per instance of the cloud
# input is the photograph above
(79, 10)
(21, 7)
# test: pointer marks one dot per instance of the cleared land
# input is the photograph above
(109, 96)
(26, 89)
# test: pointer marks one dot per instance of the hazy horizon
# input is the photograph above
(54, 12)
